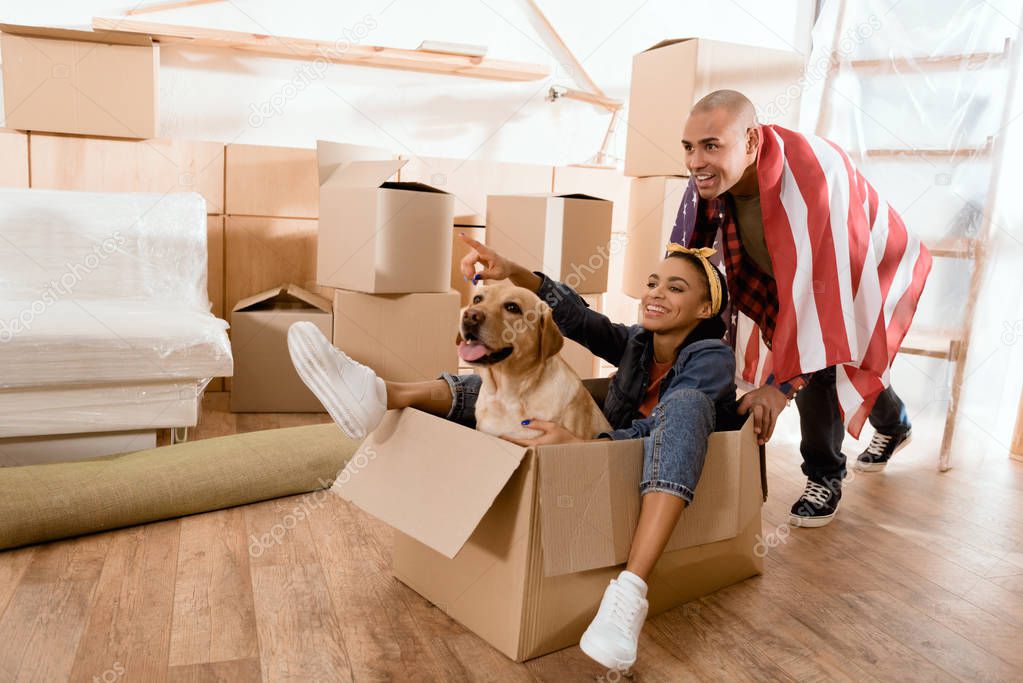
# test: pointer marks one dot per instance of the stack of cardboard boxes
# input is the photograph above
(385, 246)
(654, 157)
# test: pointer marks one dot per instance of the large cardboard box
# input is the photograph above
(264, 379)
(653, 206)
(518, 544)
(271, 181)
(471, 181)
(404, 337)
(62, 162)
(608, 183)
(565, 236)
(82, 82)
(377, 236)
(670, 77)
(578, 356)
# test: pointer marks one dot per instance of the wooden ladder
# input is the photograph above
(951, 344)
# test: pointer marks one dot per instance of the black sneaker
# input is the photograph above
(817, 506)
(882, 447)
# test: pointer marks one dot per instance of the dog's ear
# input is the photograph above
(551, 339)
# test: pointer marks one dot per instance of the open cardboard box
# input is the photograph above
(265, 380)
(518, 543)
(378, 236)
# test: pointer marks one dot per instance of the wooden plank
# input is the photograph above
(953, 247)
(234, 671)
(971, 60)
(931, 343)
(968, 151)
(13, 158)
(272, 181)
(299, 631)
(63, 162)
(130, 620)
(312, 50)
(214, 615)
(13, 565)
(278, 530)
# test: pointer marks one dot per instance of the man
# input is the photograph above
(825, 270)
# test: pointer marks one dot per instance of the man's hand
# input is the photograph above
(495, 266)
(767, 402)
(552, 433)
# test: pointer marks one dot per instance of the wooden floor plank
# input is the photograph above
(233, 671)
(129, 624)
(214, 616)
(299, 630)
(13, 565)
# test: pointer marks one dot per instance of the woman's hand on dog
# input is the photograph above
(552, 433)
(495, 266)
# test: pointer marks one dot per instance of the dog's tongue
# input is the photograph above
(471, 351)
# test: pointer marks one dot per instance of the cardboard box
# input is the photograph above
(653, 206)
(565, 236)
(13, 158)
(608, 183)
(261, 253)
(82, 82)
(61, 162)
(695, 67)
(471, 181)
(458, 252)
(264, 379)
(578, 356)
(404, 337)
(377, 236)
(271, 181)
(518, 544)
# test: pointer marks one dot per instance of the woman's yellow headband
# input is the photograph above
(702, 255)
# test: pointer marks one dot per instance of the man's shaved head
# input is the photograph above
(733, 102)
(721, 140)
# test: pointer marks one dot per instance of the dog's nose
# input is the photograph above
(473, 316)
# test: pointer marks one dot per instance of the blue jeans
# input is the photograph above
(674, 436)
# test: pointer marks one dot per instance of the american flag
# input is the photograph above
(849, 275)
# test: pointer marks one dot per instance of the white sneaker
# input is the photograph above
(352, 393)
(612, 637)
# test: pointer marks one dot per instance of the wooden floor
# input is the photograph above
(919, 578)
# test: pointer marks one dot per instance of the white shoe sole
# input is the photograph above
(811, 522)
(304, 346)
(879, 466)
(597, 653)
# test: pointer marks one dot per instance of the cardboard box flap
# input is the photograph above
(589, 499)
(666, 43)
(109, 37)
(331, 155)
(580, 195)
(283, 293)
(427, 477)
(363, 174)
(413, 186)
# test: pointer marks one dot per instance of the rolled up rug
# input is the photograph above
(47, 502)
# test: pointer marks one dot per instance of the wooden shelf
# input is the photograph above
(313, 50)
(943, 153)
(972, 59)
(944, 344)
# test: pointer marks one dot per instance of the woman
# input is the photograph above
(674, 383)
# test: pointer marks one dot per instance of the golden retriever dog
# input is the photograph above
(509, 335)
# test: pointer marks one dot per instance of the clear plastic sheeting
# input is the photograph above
(925, 98)
(105, 287)
(98, 408)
